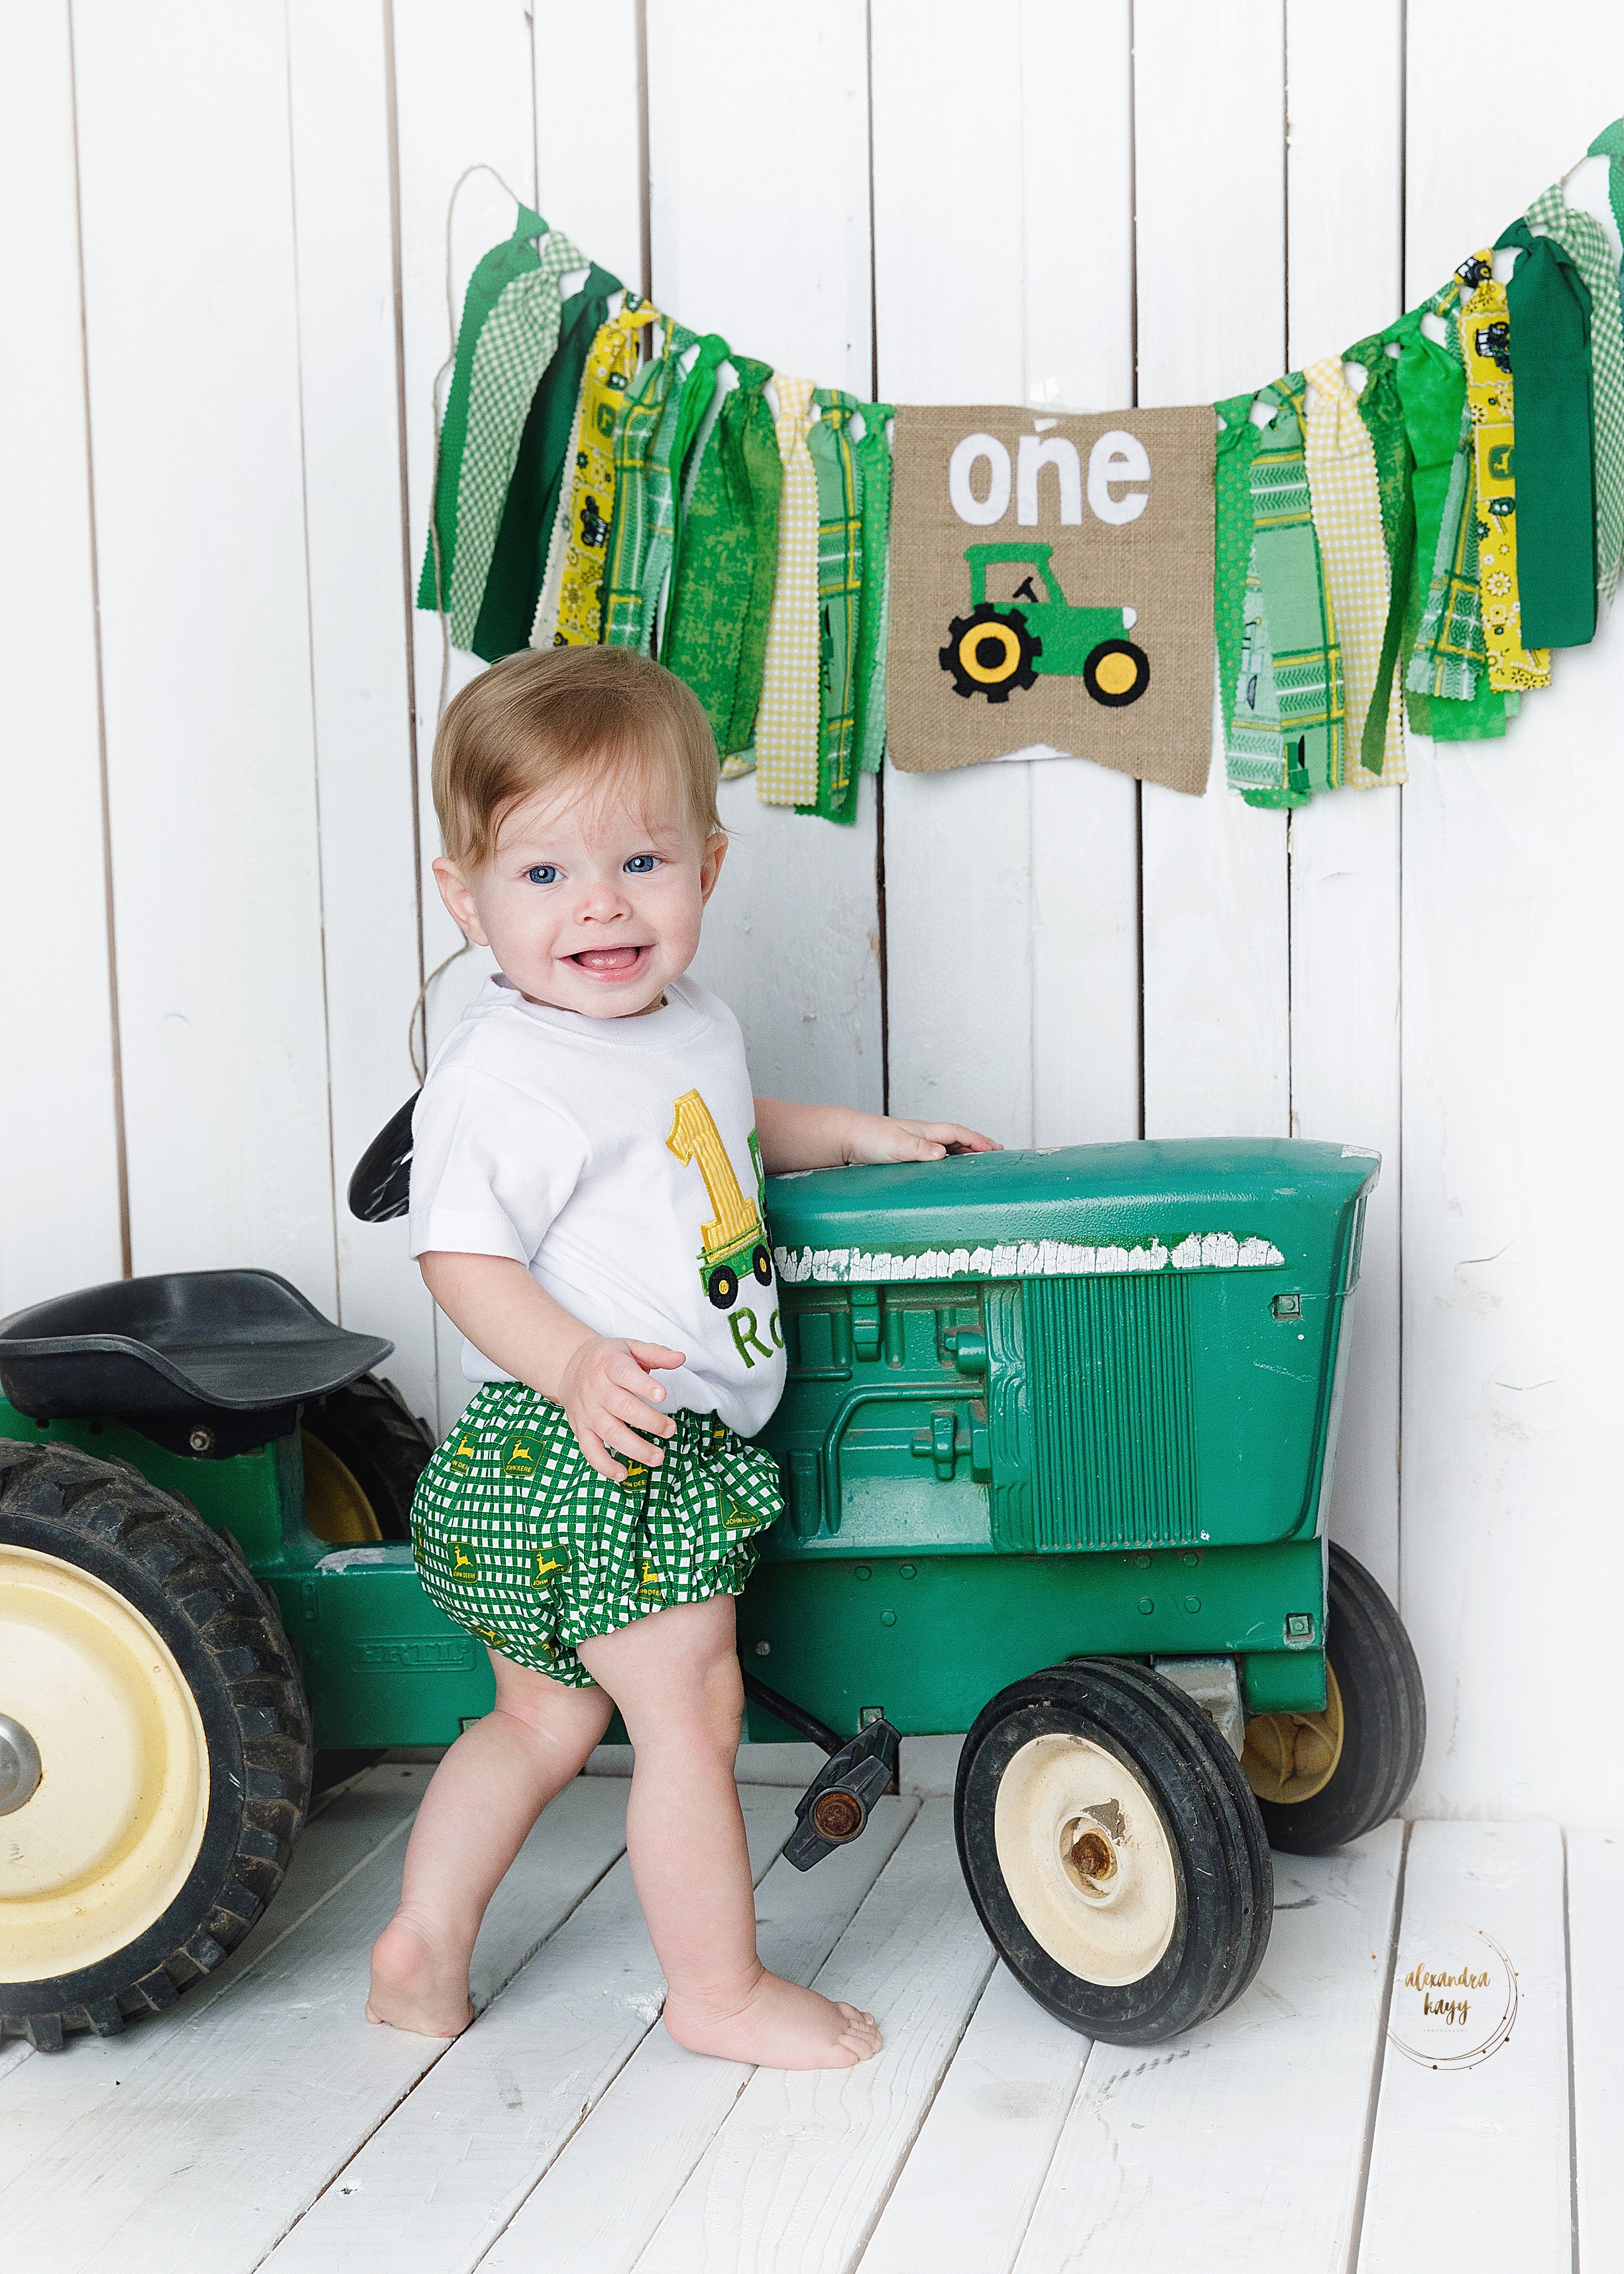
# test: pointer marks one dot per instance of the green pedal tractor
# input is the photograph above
(1057, 1446)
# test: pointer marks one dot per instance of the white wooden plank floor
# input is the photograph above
(262, 2120)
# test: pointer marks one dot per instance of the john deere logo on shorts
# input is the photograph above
(637, 1477)
(551, 1564)
(652, 1584)
(736, 1516)
(464, 1562)
(521, 1457)
(467, 1451)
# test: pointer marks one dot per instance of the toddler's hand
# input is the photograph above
(605, 1391)
(879, 1137)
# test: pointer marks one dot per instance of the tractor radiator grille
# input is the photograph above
(1112, 1401)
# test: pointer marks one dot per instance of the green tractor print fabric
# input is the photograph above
(1051, 589)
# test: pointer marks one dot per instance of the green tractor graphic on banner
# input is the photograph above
(996, 648)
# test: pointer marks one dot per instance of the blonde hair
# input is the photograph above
(596, 719)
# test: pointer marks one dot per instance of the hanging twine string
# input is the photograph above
(417, 1030)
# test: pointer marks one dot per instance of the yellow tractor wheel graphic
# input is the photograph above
(1116, 672)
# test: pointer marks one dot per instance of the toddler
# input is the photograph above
(586, 1207)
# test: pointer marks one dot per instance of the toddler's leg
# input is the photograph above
(481, 1803)
(675, 1678)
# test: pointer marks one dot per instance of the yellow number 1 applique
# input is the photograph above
(732, 1241)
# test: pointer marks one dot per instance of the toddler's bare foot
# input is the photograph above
(413, 1988)
(779, 2025)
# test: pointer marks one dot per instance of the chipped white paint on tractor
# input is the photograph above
(1030, 1259)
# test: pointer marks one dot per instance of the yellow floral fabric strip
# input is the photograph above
(789, 723)
(575, 617)
(1346, 491)
(1486, 342)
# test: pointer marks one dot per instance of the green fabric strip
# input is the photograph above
(1581, 238)
(839, 597)
(1304, 654)
(1232, 564)
(1549, 309)
(1610, 144)
(1450, 651)
(519, 560)
(873, 470)
(515, 347)
(1383, 414)
(691, 395)
(1432, 386)
(722, 589)
(644, 506)
(499, 267)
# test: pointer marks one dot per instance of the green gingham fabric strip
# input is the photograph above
(515, 347)
(1582, 239)
(1383, 414)
(874, 472)
(839, 596)
(499, 267)
(1609, 144)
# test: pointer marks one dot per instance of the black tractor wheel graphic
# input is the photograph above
(990, 652)
(761, 1264)
(722, 1286)
(1116, 673)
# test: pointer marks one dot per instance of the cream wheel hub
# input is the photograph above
(103, 1839)
(1086, 1859)
(19, 1765)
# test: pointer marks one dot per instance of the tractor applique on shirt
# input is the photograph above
(734, 1241)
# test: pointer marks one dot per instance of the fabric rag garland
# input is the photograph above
(1402, 534)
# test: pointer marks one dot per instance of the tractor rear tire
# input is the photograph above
(1356, 1763)
(1010, 657)
(1114, 1850)
(169, 1769)
(381, 1448)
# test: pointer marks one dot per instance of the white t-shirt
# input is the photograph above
(616, 1160)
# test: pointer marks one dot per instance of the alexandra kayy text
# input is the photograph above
(1452, 2011)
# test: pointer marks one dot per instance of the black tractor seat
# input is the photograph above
(224, 1357)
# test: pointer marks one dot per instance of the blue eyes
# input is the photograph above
(641, 864)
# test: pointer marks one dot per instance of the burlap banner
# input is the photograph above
(1052, 589)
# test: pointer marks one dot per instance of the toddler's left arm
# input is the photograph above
(832, 1136)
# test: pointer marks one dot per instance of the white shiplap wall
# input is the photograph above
(229, 254)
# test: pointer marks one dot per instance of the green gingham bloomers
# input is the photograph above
(518, 1539)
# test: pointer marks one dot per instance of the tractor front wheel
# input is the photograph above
(155, 1745)
(1322, 1779)
(990, 652)
(1116, 673)
(1114, 1850)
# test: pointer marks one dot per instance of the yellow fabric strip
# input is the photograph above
(788, 725)
(611, 366)
(1486, 341)
(1353, 554)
